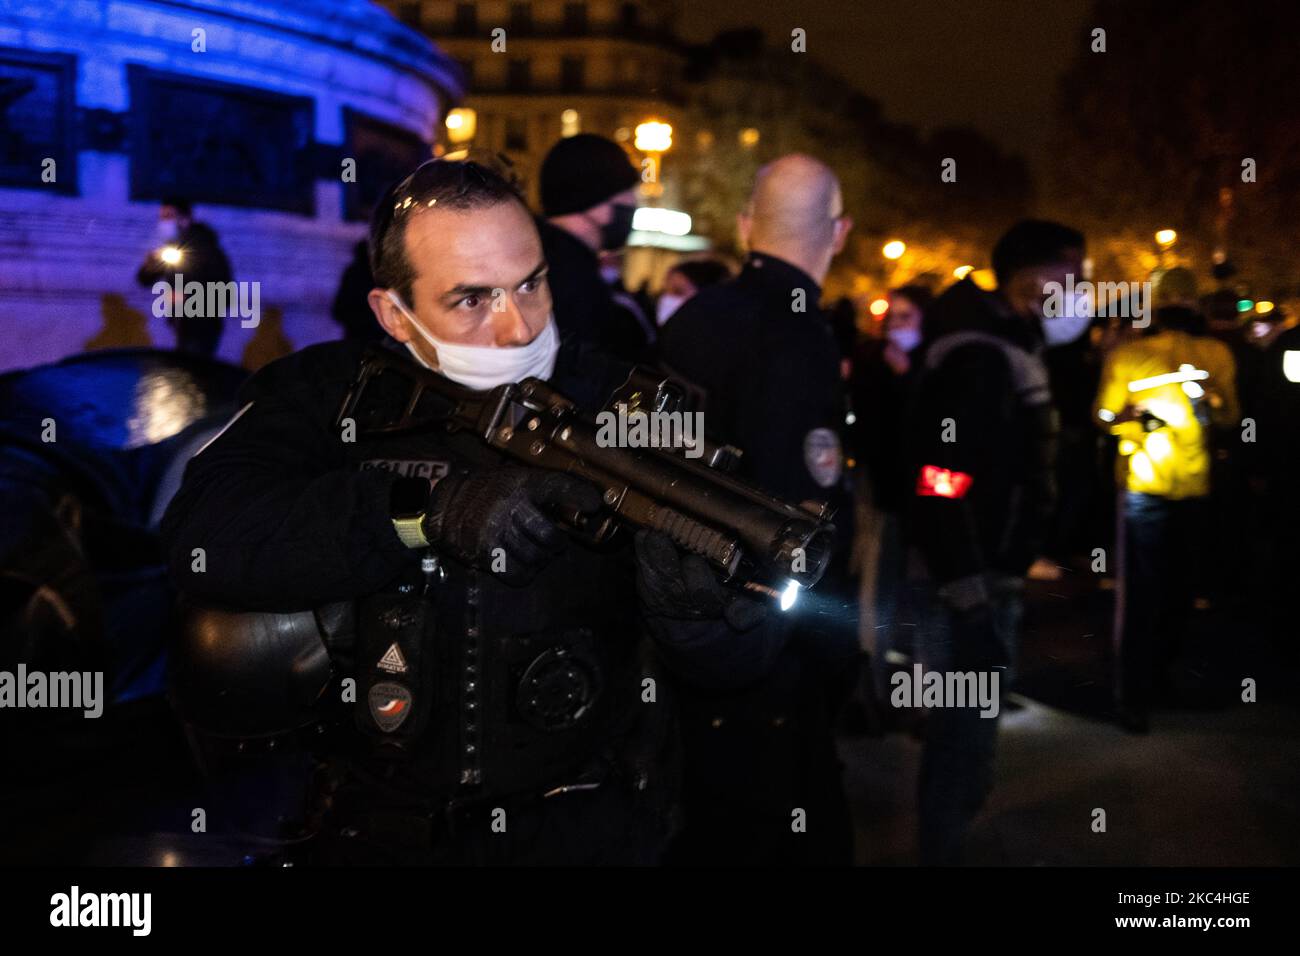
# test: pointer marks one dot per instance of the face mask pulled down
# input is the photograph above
(485, 367)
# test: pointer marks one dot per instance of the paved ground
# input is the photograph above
(1215, 783)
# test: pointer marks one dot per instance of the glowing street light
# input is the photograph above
(962, 272)
(654, 137)
(879, 307)
(462, 123)
(1263, 307)
(894, 249)
(1166, 238)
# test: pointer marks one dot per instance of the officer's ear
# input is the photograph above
(389, 315)
(744, 222)
(842, 227)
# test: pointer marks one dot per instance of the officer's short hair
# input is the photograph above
(1030, 243)
(458, 184)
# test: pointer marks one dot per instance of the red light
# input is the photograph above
(935, 482)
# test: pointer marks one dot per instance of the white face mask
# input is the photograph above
(483, 367)
(905, 338)
(167, 230)
(1063, 329)
(666, 306)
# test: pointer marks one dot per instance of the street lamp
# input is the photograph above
(462, 123)
(962, 272)
(1166, 238)
(654, 137)
(894, 249)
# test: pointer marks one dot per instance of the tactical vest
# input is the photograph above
(473, 689)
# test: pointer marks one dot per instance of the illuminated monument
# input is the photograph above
(249, 108)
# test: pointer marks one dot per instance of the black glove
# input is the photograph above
(696, 621)
(472, 514)
(682, 587)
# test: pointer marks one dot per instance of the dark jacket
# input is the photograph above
(585, 309)
(770, 371)
(351, 306)
(762, 352)
(983, 415)
(517, 690)
(882, 400)
(203, 260)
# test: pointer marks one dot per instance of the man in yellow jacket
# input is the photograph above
(1160, 395)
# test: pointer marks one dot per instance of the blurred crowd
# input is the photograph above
(969, 440)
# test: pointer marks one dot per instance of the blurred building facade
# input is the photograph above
(538, 70)
(249, 110)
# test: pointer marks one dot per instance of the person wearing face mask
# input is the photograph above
(884, 377)
(192, 249)
(684, 280)
(1073, 364)
(588, 192)
(611, 273)
(501, 711)
(980, 457)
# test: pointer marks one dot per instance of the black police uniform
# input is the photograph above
(477, 703)
(761, 350)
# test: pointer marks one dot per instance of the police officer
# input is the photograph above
(981, 462)
(762, 351)
(191, 248)
(588, 191)
(508, 705)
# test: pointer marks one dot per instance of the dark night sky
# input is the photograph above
(990, 64)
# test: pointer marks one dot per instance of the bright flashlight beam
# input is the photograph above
(170, 255)
(789, 595)
(1169, 378)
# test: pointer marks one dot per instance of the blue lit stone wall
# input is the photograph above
(66, 251)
